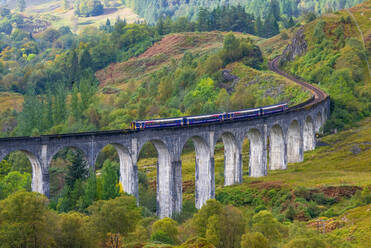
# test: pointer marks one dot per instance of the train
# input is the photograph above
(211, 118)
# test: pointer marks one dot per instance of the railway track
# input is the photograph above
(318, 94)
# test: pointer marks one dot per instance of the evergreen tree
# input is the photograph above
(275, 9)
(203, 20)
(59, 106)
(75, 104)
(29, 118)
(66, 4)
(78, 169)
(85, 59)
(271, 27)
(290, 23)
(160, 26)
(21, 4)
(259, 27)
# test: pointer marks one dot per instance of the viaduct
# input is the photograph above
(275, 140)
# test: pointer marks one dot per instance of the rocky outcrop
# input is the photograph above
(297, 47)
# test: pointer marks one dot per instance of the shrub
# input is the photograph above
(254, 240)
(165, 231)
(307, 243)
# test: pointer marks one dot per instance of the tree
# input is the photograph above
(78, 169)
(165, 230)
(203, 20)
(275, 9)
(85, 59)
(14, 182)
(265, 223)
(222, 100)
(21, 5)
(115, 216)
(271, 27)
(319, 34)
(110, 178)
(6, 26)
(26, 221)
(200, 219)
(72, 231)
(225, 230)
(90, 191)
(259, 27)
(66, 4)
(254, 240)
(291, 23)
(202, 98)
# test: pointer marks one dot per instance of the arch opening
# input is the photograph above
(257, 157)
(120, 155)
(68, 171)
(26, 169)
(277, 149)
(160, 176)
(318, 122)
(309, 135)
(294, 143)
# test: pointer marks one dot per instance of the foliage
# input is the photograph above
(265, 223)
(24, 221)
(110, 178)
(115, 216)
(257, 7)
(165, 231)
(14, 182)
(335, 61)
(254, 240)
(88, 7)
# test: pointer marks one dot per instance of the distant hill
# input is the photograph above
(13, 3)
(151, 10)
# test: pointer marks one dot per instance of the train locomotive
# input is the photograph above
(211, 118)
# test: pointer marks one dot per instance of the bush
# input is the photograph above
(307, 243)
(312, 210)
(254, 240)
(165, 231)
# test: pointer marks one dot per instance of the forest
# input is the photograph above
(180, 8)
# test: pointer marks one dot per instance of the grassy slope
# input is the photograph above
(54, 13)
(10, 101)
(356, 227)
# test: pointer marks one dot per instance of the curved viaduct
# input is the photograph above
(282, 138)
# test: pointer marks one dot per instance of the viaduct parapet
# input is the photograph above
(282, 138)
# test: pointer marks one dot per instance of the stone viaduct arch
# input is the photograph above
(282, 138)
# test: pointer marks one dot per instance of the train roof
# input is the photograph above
(209, 115)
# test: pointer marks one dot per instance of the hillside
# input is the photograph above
(336, 58)
(175, 68)
(56, 16)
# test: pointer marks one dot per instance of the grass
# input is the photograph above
(10, 101)
(54, 13)
(356, 227)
